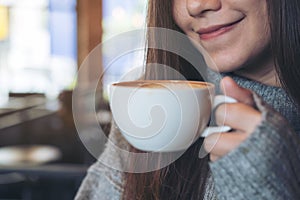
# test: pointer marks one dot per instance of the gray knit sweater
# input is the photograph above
(265, 166)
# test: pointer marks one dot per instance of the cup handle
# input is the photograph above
(219, 99)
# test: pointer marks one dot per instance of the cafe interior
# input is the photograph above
(45, 48)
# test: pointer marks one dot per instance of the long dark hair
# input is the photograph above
(186, 177)
(285, 33)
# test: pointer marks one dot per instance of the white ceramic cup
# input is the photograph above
(164, 115)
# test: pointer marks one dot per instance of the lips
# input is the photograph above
(216, 30)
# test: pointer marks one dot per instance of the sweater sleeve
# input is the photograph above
(102, 180)
(265, 166)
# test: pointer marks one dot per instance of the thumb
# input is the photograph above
(230, 88)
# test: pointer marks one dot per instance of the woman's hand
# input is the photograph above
(242, 117)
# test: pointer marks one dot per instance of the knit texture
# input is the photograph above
(265, 166)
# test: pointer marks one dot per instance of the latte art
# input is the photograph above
(164, 83)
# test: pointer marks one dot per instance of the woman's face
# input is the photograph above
(235, 33)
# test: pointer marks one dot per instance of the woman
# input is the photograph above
(255, 44)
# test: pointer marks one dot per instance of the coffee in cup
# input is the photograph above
(162, 115)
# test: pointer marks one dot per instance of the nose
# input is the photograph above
(198, 7)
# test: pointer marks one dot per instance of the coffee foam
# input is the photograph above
(164, 83)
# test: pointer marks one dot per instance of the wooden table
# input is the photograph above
(22, 109)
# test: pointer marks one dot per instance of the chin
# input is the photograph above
(224, 66)
(221, 69)
(226, 63)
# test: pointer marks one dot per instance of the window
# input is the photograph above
(37, 46)
(38, 43)
(120, 16)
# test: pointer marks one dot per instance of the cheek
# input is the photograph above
(246, 50)
(180, 15)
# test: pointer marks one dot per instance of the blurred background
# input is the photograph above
(42, 45)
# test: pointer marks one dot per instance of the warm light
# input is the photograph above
(3, 22)
(138, 20)
(118, 13)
